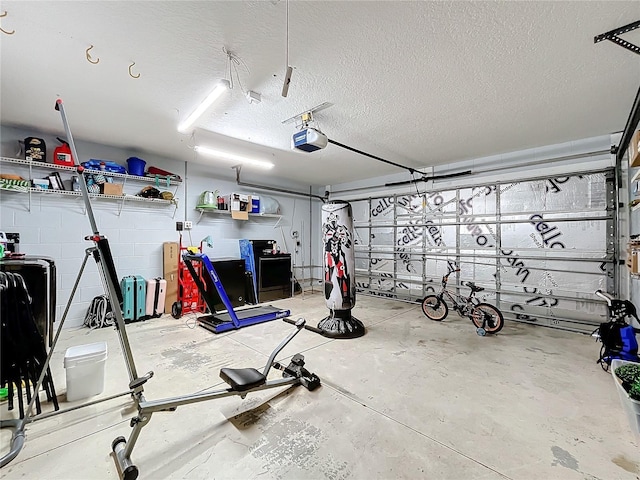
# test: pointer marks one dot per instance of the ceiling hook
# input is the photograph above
(131, 74)
(89, 56)
(4, 14)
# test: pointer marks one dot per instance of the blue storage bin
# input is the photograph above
(255, 204)
(136, 166)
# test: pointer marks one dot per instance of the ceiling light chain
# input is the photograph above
(234, 61)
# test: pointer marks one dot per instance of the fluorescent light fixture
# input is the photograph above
(220, 88)
(233, 157)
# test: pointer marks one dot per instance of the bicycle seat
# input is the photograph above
(474, 288)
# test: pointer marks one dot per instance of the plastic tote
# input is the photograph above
(136, 166)
(631, 406)
(85, 369)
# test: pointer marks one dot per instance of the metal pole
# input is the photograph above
(101, 257)
(629, 128)
(613, 244)
(498, 246)
(44, 416)
(76, 159)
(120, 324)
(273, 189)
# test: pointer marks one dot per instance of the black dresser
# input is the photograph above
(273, 271)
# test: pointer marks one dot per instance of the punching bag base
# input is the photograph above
(341, 325)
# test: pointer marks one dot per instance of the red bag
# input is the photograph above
(163, 173)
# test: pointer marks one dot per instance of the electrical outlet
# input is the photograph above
(179, 226)
(188, 225)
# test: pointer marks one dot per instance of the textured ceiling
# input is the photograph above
(418, 83)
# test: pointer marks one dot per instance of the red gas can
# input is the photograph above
(62, 154)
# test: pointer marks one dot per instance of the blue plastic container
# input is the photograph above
(255, 204)
(136, 166)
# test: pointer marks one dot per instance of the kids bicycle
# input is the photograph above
(486, 317)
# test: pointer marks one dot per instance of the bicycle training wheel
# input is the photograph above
(434, 308)
(493, 316)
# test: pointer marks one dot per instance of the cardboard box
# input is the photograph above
(632, 261)
(170, 255)
(41, 183)
(240, 206)
(633, 257)
(634, 150)
(111, 189)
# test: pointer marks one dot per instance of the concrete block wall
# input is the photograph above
(55, 226)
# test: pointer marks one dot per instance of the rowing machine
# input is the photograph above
(241, 382)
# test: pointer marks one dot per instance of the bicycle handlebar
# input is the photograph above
(604, 295)
(446, 277)
(451, 271)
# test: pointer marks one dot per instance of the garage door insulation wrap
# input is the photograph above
(539, 247)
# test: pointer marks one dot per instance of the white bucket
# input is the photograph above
(85, 369)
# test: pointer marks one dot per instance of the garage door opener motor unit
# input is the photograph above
(308, 139)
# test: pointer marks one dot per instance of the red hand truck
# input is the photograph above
(190, 299)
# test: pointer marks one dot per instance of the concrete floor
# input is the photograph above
(411, 399)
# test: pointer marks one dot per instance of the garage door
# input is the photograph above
(539, 247)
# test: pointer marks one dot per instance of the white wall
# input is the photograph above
(55, 226)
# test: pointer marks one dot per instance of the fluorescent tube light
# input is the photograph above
(235, 158)
(212, 97)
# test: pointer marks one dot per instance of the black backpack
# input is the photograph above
(35, 149)
(100, 313)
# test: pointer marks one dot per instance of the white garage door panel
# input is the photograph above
(540, 248)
